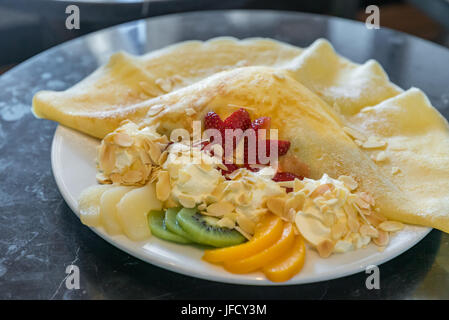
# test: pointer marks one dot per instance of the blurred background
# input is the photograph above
(28, 27)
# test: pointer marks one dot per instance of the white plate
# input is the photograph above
(73, 163)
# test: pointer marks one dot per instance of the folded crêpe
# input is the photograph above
(314, 97)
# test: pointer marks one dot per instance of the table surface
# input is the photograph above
(40, 235)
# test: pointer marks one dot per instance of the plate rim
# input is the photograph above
(233, 279)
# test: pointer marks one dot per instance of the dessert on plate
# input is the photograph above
(256, 151)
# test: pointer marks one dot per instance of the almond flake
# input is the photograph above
(123, 139)
(243, 233)
(246, 224)
(221, 208)
(391, 226)
(325, 248)
(321, 189)
(382, 239)
(349, 182)
(338, 230)
(186, 201)
(132, 177)
(163, 186)
(395, 170)
(366, 230)
(276, 205)
(102, 179)
(226, 223)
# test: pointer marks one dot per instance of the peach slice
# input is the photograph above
(254, 262)
(289, 264)
(268, 231)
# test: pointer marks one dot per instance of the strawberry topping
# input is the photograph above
(283, 147)
(239, 119)
(213, 121)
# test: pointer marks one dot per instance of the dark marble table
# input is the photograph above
(40, 236)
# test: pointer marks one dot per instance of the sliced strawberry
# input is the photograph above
(250, 168)
(283, 147)
(286, 176)
(213, 121)
(231, 168)
(239, 119)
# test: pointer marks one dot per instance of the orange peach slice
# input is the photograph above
(268, 231)
(289, 264)
(264, 257)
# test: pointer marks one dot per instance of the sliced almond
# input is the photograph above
(361, 203)
(276, 205)
(116, 178)
(321, 189)
(294, 203)
(325, 248)
(367, 198)
(186, 201)
(391, 226)
(102, 179)
(243, 233)
(221, 208)
(123, 140)
(338, 230)
(162, 158)
(382, 239)
(131, 177)
(395, 170)
(246, 224)
(353, 224)
(370, 231)
(163, 186)
(226, 222)
(153, 150)
(107, 157)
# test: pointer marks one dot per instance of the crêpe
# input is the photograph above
(312, 95)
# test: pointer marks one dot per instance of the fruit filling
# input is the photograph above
(239, 126)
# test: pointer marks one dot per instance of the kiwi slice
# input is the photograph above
(204, 230)
(172, 224)
(159, 229)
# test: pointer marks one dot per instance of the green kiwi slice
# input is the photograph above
(204, 230)
(172, 224)
(159, 229)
